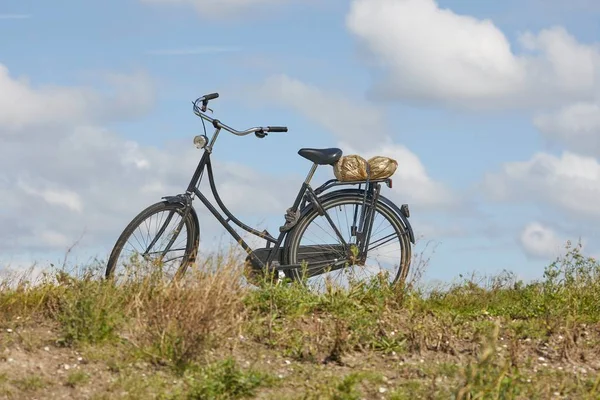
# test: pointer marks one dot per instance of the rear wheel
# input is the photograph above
(151, 243)
(314, 240)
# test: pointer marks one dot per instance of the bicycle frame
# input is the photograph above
(305, 193)
(293, 215)
(308, 204)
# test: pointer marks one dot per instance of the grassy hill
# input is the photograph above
(211, 337)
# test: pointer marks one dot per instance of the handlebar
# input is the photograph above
(211, 96)
(260, 132)
(277, 129)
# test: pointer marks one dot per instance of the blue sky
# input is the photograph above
(455, 90)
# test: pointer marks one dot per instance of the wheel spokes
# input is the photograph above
(314, 246)
(158, 244)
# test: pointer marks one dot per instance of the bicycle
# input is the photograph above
(286, 255)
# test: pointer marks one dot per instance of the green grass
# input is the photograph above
(225, 380)
(77, 378)
(30, 383)
(211, 337)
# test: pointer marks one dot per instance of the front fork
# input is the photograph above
(186, 200)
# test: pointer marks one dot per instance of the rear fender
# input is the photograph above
(384, 200)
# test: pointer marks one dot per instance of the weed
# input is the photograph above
(90, 311)
(30, 383)
(77, 378)
(178, 321)
(225, 380)
(345, 388)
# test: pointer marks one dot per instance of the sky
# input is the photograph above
(492, 110)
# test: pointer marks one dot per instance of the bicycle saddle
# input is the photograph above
(322, 156)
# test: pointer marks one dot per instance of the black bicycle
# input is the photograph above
(326, 232)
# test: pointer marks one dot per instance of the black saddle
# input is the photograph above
(322, 156)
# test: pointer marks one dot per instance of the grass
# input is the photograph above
(225, 380)
(30, 383)
(77, 378)
(211, 337)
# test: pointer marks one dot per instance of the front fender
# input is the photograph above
(383, 199)
(183, 200)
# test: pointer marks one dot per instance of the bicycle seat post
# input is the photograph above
(311, 173)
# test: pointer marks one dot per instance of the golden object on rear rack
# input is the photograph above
(353, 168)
(350, 168)
(382, 167)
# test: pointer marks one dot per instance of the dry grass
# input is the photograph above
(210, 336)
(177, 322)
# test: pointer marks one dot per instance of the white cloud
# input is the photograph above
(347, 118)
(242, 188)
(577, 126)
(218, 8)
(54, 239)
(40, 109)
(570, 183)
(75, 177)
(60, 197)
(430, 53)
(411, 183)
(360, 128)
(539, 241)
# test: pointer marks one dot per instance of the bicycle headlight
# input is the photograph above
(200, 141)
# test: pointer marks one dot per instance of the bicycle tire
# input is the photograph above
(192, 240)
(294, 238)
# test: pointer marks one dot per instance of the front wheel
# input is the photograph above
(314, 243)
(158, 238)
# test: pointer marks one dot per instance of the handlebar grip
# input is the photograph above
(211, 96)
(277, 128)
